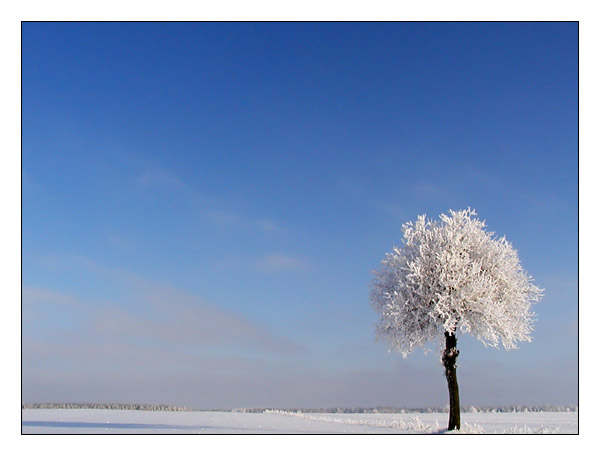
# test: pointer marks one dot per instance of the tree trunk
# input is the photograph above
(449, 360)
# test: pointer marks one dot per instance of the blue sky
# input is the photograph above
(203, 204)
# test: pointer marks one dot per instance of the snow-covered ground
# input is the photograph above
(92, 421)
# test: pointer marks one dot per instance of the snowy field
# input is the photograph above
(98, 421)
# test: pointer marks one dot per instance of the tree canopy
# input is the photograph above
(452, 275)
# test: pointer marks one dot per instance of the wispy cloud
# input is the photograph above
(429, 190)
(231, 220)
(43, 296)
(217, 213)
(393, 209)
(279, 262)
(159, 177)
(118, 241)
(223, 217)
(29, 185)
(179, 316)
(157, 313)
(267, 225)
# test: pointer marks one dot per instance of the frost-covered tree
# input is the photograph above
(452, 276)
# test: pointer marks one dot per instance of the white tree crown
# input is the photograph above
(452, 275)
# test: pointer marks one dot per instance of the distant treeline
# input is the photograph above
(335, 410)
(104, 406)
(432, 409)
